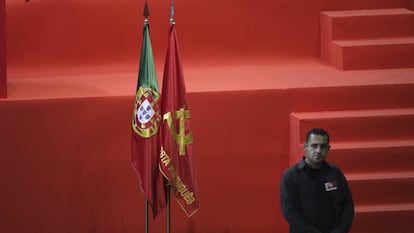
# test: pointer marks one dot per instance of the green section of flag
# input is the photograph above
(147, 76)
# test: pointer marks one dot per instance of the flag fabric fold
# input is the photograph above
(176, 156)
(146, 120)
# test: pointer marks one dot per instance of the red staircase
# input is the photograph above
(374, 148)
(368, 39)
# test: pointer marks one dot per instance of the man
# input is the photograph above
(314, 194)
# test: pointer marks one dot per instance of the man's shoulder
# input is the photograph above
(292, 169)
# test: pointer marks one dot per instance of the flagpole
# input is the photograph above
(172, 21)
(146, 217)
(167, 192)
(168, 185)
(146, 14)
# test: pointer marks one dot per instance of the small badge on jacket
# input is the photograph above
(330, 186)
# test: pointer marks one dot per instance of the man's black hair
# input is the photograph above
(317, 131)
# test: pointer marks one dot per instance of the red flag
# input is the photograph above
(177, 161)
(146, 119)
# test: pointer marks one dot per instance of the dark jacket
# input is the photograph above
(297, 197)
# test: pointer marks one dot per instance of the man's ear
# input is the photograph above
(305, 145)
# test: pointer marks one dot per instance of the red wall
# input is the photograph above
(65, 165)
(50, 34)
(65, 161)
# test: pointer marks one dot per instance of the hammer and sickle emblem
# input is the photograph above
(181, 138)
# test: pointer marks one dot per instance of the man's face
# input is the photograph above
(316, 149)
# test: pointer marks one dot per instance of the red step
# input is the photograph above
(368, 39)
(382, 188)
(389, 156)
(374, 53)
(393, 218)
(360, 24)
(359, 126)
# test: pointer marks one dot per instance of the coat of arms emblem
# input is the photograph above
(147, 117)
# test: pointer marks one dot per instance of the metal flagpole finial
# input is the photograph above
(146, 10)
(172, 20)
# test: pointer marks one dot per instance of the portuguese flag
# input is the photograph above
(146, 119)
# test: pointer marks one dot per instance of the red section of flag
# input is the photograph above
(177, 161)
(146, 166)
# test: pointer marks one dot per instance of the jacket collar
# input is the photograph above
(302, 164)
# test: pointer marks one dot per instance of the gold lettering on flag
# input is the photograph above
(187, 195)
(181, 138)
